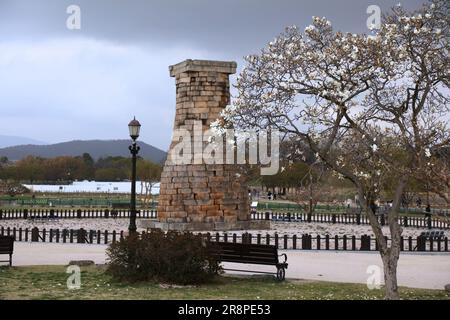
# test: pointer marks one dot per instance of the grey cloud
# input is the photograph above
(236, 27)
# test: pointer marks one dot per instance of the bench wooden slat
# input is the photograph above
(246, 256)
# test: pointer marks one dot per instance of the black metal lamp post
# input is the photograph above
(134, 126)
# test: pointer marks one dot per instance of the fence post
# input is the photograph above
(35, 234)
(91, 236)
(25, 214)
(421, 243)
(327, 242)
(294, 242)
(365, 243)
(276, 240)
(306, 242)
(333, 218)
(81, 236)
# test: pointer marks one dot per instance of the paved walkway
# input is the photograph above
(416, 270)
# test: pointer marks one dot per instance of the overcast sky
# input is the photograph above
(58, 84)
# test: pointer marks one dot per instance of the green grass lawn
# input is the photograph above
(49, 282)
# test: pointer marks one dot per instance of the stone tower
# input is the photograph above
(200, 196)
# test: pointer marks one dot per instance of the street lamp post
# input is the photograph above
(134, 126)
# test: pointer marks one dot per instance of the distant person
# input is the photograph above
(274, 196)
(428, 216)
(428, 211)
(373, 207)
(269, 195)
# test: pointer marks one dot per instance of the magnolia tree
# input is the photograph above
(374, 108)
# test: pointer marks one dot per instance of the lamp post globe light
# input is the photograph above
(134, 126)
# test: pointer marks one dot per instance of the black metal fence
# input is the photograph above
(328, 242)
(333, 218)
(286, 242)
(73, 214)
(405, 221)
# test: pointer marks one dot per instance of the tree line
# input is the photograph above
(33, 169)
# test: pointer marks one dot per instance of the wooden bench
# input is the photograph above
(7, 247)
(250, 254)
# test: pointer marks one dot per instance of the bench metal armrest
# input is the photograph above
(285, 257)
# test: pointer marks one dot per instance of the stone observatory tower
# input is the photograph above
(195, 195)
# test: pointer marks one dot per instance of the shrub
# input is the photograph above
(173, 257)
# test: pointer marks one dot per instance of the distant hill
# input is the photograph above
(8, 141)
(96, 148)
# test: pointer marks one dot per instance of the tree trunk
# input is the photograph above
(389, 255)
(390, 261)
